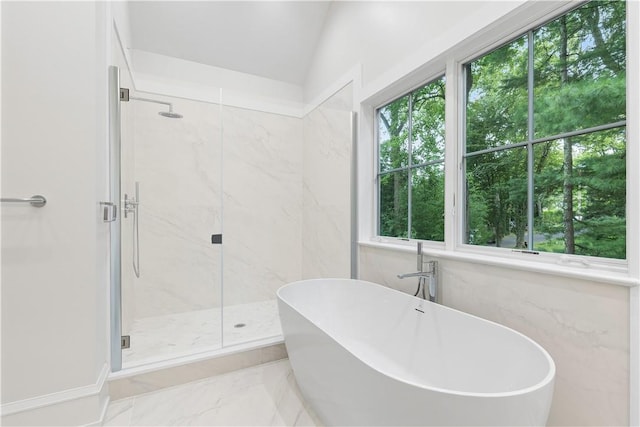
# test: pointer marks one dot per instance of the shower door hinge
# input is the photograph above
(109, 211)
(124, 94)
(125, 341)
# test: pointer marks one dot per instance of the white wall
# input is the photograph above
(54, 260)
(388, 38)
(177, 77)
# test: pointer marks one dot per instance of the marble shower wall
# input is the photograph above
(326, 230)
(583, 325)
(262, 203)
(278, 187)
(178, 167)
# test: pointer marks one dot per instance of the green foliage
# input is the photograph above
(602, 236)
(427, 213)
(423, 137)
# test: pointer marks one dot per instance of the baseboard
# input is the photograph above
(73, 407)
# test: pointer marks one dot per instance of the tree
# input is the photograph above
(413, 124)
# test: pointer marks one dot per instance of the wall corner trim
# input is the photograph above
(634, 356)
(353, 75)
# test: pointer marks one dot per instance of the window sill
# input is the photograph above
(575, 270)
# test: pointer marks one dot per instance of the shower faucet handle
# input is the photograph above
(130, 205)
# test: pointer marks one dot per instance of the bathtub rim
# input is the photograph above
(548, 379)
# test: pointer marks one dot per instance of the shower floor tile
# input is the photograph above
(181, 334)
(263, 395)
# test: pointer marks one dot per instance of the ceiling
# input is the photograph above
(272, 39)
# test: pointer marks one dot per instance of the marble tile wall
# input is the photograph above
(276, 186)
(583, 325)
(326, 222)
(262, 203)
(177, 164)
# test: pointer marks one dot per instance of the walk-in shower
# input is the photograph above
(218, 210)
(168, 269)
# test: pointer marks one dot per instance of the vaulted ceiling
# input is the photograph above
(272, 39)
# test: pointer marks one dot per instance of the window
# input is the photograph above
(545, 142)
(410, 176)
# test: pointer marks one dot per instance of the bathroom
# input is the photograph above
(57, 358)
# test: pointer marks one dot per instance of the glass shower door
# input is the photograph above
(171, 202)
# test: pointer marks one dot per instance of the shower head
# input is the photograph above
(170, 114)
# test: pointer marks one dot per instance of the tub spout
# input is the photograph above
(416, 274)
(428, 276)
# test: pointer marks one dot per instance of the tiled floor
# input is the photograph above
(175, 335)
(264, 395)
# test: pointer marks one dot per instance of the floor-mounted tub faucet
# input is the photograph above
(428, 275)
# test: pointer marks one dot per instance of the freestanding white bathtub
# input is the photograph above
(364, 354)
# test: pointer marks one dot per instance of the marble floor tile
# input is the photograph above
(180, 334)
(119, 413)
(263, 395)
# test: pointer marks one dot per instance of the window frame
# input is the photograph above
(410, 167)
(572, 260)
(521, 20)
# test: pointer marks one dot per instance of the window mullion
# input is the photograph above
(410, 153)
(530, 137)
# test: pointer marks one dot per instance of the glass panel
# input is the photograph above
(393, 200)
(496, 109)
(262, 218)
(393, 135)
(174, 303)
(427, 123)
(580, 69)
(581, 211)
(427, 203)
(497, 198)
